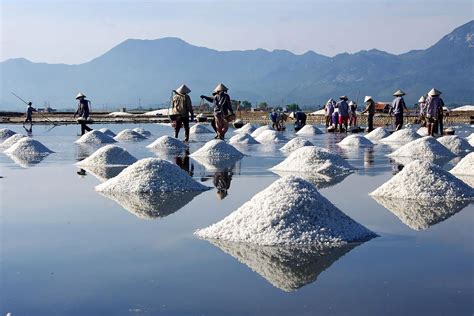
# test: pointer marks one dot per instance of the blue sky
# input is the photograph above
(77, 31)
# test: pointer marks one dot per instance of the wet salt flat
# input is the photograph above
(69, 250)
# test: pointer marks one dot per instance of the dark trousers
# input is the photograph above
(398, 121)
(440, 124)
(370, 122)
(85, 128)
(182, 121)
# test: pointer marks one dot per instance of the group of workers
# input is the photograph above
(341, 113)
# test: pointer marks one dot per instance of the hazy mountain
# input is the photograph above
(149, 69)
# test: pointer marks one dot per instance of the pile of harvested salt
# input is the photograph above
(129, 135)
(405, 135)
(295, 144)
(109, 155)
(142, 132)
(11, 140)
(151, 175)
(457, 145)
(470, 139)
(465, 166)
(270, 136)
(243, 139)
(247, 128)
(259, 130)
(5, 133)
(28, 147)
(95, 137)
(355, 140)
(422, 131)
(119, 114)
(426, 148)
(377, 134)
(107, 132)
(168, 144)
(290, 211)
(199, 129)
(309, 130)
(424, 180)
(313, 159)
(217, 148)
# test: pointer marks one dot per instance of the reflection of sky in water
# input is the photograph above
(71, 251)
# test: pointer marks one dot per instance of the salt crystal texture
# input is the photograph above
(129, 135)
(151, 175)
(119, 114)
(270, 136)
(313, 159)
(107, 132)
(424, 180)
(5, 133)
(290, 211)
(217, 148)
(295, 144)
(199, 129)
(95, 137)
(465, 166)
(261, 129)
(405, 135)
(426, 148)
(11, 140)
(457, 145)
(28, 147)
(422, 131)
(247, 128)
(320, 181)
(168, 144)
(243, 138)
(355, 140)
(142, 132)
(309, 130)
(109, 155)
(377, 134)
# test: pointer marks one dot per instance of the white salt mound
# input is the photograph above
(313, 159)
(426, 148)
(465, 166)
(290, 211)
(355, 140)
(11, 140)
(199, 129)
(169, 144)
(129, 135)
(151, 175)
(247, 128)
(405, 135)
(5, 133)
(109, 155)
(309, 130)
(217, 148)
(95, 137)
(28, 147)
(470, 137)
(457, 145)
(259, 130)
(243, 138)
(422, 131)
(295, 144)
(107, 132)
(119, 114)
(377, 134)
(270, 136)
(142, 132)
(424, 180)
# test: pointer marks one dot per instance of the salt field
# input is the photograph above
(106, 235)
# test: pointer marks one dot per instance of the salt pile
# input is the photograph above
(129, 135)
(309, 130)
(426, 148)
(217, 148)
(95, 137)
(290, 211)
(142, 132)
(199, 129)
(405, 135)
(355, 140)
(243, 138)
(377, 134)
(295, 144)
(119, 114)
(151, 175)
(422, 131)
(5, 133)
(109, 155)
(247, 128)
(168, 144)
(320, 181)
(28, 147)
(259, 130)
(107, 132)
(313, 159)
(424, 180)
(465, 166)
(270, 136)
(457, 145)
(11, 140)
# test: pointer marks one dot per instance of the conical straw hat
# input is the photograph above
(434, 92)
(80, 95)
(330, 101)
(220, 87)
(343, 97)
(422, 99)
(351, 103)
(183, 89)
(399, 93)
(367, 98)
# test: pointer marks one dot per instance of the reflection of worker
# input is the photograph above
(183, 163)
(222, 181)
(29, 113)
(83, 111)
(368, 157)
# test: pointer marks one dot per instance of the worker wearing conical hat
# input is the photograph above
(352, 114)
(83, 111)
(434, 112)
(422, 110)
(370, 110)
(343, 109)
(222, 109)
(397, 109)
(182, 108)
(329, 110)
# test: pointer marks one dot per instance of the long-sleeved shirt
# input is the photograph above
(329, 108)
(29, 111)
(369, 107)
(398, 105)
(221, 103)
(343, 108)
(422, 106)
(82, 108)
(182, 105)
(434, 106)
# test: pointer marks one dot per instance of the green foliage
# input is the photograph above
(245, 105)
(293, 107)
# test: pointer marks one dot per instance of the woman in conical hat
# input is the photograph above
(182, 108)
(398, 107)
(222, 109)
(422, 108)
(83, 111)
(370, 110)
(434, 112)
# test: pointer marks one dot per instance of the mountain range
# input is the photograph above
(149, 69)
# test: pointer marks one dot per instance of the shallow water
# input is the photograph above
(68, 250)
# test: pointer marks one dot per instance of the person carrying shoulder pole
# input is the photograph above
(398, 107)
(222, 108)
(29, 113)
(182, 107)
(83, 111)
(370, 110)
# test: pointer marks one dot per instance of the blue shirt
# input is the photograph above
(398, 105)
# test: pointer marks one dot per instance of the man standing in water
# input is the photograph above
(398, 107)
(434, 104)
(343, 108)
(222, 108)
(182, 107)
(83, 112)
(29, 113)
(370, 109)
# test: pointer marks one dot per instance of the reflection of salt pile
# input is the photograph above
(290, 211)
(355, 140)
(129, 135)
(312, 159)
(217, 155)
(103, 172)
(247, 128)
(95, 137)
(309, 130)
(377, 134)
(422, 131)
(151, 175)
(295, 144)
(285, 267)
(5, 133)
(243, 138)
(421, 214)
(199, 129)
(465, 166)
(107, 132)
(109, 155)
(424, 180)
(142, 132)
(270, 136)
(152, 205)
(11, 140)
(168, 144)
(259, 130)
(457, 145)
(405, 135)
(426, 148)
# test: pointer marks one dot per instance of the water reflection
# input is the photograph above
(103, 173)
(184, 163)
(320, 181)
(421, 214)
(222, 180)
(285, 267)
(368, 157)
(217, 164)
(27, 161)
(84, 151)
